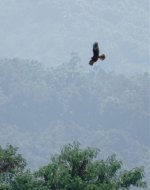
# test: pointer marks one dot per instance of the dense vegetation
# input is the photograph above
(69, 94)
(43, 109)
(73, 169)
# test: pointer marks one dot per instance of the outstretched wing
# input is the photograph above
(95, 49)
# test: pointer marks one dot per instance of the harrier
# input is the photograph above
(96, 55)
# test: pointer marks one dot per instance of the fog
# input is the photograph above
(48, 31)
(50, 95)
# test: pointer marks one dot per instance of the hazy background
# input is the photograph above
(49, 30)
(50, 96)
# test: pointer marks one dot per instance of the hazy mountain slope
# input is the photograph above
(43, 107)
(40, 110)
(68, 94)
(49, 31)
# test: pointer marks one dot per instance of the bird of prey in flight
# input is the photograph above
(96, 54)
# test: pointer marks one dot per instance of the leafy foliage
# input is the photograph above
(73, 169)
(76, 169)
(11, 164)
(23, 181)
(69, 102)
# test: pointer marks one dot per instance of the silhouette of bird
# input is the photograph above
(96, 55)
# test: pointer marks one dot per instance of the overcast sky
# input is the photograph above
(49, 31)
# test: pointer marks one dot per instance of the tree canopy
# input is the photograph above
(76, 169)
(11, 165)
(73, 169)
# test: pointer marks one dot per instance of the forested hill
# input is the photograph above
(41, 109)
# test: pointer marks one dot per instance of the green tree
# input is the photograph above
(73, 169)
(24, 181)
(11, 165)
(77, 169)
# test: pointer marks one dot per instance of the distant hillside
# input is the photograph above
(40, 110)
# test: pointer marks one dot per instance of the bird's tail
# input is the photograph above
(102, 57)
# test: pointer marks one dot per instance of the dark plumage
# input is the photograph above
(96, 55)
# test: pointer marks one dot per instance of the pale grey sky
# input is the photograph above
(49, 31)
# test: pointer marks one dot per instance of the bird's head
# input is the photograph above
(96, 43)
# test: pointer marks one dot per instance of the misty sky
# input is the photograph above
(49, 31)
